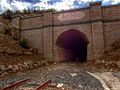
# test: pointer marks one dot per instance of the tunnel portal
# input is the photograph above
(76, 42)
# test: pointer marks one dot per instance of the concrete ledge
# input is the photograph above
(28, 17)
(73, 23)
(101, 81)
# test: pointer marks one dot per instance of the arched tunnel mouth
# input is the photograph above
(76, 42)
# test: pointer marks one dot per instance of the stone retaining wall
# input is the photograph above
(99, 23)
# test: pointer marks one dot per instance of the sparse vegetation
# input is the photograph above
(7, 14)
(116, 44)
(24, 43)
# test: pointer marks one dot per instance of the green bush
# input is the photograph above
(24, 43)
(7, 14)
(116, 44)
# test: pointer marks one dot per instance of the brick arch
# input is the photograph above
(76, 42)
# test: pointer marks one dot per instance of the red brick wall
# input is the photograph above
(35, 39)
(111, 12)
(111, 33)
(100, 24)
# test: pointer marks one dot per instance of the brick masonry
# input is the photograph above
(100, 24)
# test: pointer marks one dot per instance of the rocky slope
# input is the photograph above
(13, 57)
(110, 61)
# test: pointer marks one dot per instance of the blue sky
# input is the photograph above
(46, 4)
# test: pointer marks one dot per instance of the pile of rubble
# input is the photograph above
(58, 87)
(16, 58)
(9, 46)
(110, 61)
(13, 57)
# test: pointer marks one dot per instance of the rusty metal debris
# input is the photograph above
(16, 84)
(43, 85)
(21, 82)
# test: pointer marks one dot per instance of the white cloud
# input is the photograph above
(20, 5)
(5, 5)
(112, 1)
(66, 4)
(15, 5)
(116, 1)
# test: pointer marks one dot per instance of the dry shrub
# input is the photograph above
(116, 44)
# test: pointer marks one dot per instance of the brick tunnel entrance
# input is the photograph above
(76, 43)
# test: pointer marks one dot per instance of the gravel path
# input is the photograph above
(67, 73)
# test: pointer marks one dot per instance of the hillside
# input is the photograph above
(110, 61)
(12, 55)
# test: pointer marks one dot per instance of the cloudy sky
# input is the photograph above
(45, 4)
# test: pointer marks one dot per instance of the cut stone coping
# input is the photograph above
(105, 86)
(112, 81)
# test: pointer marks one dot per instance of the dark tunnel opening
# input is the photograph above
(76, 42)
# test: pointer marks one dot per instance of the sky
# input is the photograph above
(48, 4)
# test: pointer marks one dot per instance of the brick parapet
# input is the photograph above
(96, 14)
